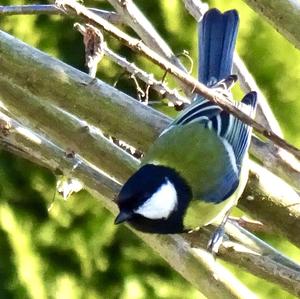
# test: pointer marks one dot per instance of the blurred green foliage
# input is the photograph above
(74, 250)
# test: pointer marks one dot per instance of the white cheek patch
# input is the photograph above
(161, 204)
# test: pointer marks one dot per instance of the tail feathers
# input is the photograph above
(217, 36)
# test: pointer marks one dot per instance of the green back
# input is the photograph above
(195, 152)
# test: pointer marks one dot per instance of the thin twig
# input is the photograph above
(131, 68)
(186, 54)
(73, 7)
(149, 79)
(132, 16)
(50, 9)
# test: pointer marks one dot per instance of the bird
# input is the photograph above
(195, 171)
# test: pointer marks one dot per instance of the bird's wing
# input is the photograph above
(201, 157)
(217, 39)
(236, 133)
(233, 134)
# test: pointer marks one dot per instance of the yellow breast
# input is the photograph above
(200, 213)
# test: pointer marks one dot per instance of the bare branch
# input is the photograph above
(185, 253)
(71, 90)
(39, 149)
(53, 83)
(158, 86)
(196, 8)
(67, 130)
(131, 68)
(244, 249)
(264, 114)
(279, 161)
(197, 267)
(132, 16)
(283, 16)
(273, 262)
(140, 24)
(29, 10)
(35, 9)
(280, 210)
(74, 8)
(250, 241)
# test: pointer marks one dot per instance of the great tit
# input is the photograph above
(196, 170)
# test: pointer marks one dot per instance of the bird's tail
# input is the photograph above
(217, 36)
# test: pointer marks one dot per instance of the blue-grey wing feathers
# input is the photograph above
(237, 133)
(217, 40)
(198, 111)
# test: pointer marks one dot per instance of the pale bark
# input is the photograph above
(184, 253)
(283, 16)
(58, 103)
(47, 84)
(50, 9)
(74, 8)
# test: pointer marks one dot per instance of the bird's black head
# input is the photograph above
(154, 200)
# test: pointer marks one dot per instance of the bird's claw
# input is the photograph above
(216, 240)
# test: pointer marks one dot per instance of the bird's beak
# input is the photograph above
(123, 216)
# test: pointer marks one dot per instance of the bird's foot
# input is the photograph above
(216, 240)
